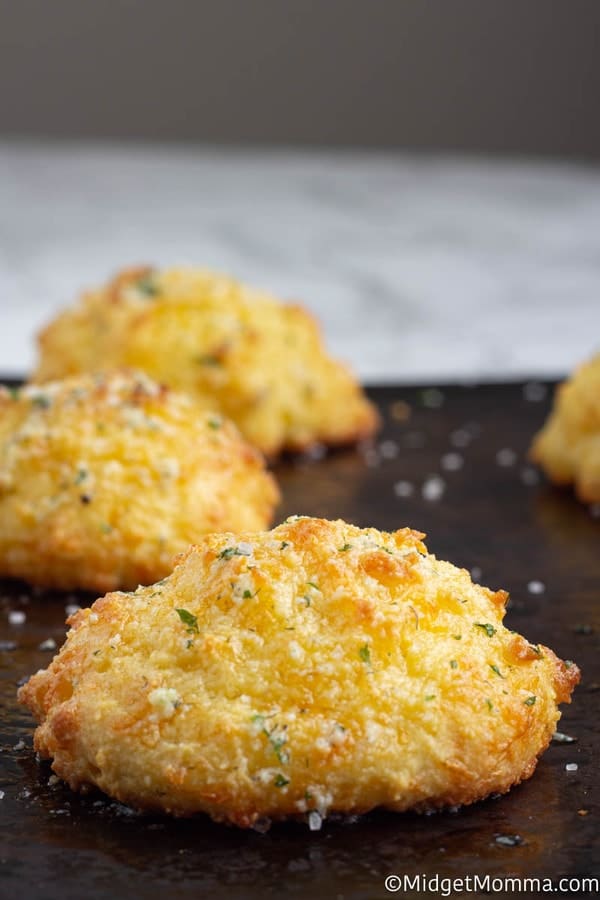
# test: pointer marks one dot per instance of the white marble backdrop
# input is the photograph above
(428, 269)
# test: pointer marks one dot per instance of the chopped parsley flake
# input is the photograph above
(215, 424)
(344, 548)
(313, 585)
(365, 654)
(530, 700)
(430, 697)
(284, 544)
(489, 629)
(81, 476)
(207, 359)
(497, 671)
(453, 664)
(146, 285)
(489, 704)
(188, 620)
(281, 781)
(457, 637)
(41, 400)
(228, 552)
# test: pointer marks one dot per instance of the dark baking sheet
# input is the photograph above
(495, 517)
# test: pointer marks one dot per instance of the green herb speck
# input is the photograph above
(497, 671)
(207, 359)
(453, 664)
(430, 697)
(215, 424)
(228, 552)
(489, 629)
(344, 548)
(530, 700)
(281, 781)
(365, 654)
(42, 401)
(146, 285)
(189, 620)
(489, 704)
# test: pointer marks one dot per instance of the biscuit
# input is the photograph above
(104, 479)
(317, 668)
(568, 446)
(254, 359)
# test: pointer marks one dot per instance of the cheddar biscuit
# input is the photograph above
(104, 479)
(568, 446)
(312, 669)
(254, 359)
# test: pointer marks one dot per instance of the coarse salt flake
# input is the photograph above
(404, 489)
(314, 820)
(506, 457)
(536, 587)
(165, 701)
(433, 488)
(452, 462)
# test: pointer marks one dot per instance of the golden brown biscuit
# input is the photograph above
(315, 668)
(256, 360)
(568, 446)
(103, 479)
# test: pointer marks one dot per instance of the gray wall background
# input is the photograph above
(503, 76)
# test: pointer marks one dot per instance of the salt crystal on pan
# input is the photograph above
(433, 488)
(404, 489)
(314, 820)
(371, 457)
(460, 438)
(534, 392)
(529, 476)
(16, 617)
(571, 767)
(506, 457)
(72, 608)
(2, 795)
(452, 462)
(476, 573)
(536, 587)
(432, 398)
(48, 644)
(388, 449)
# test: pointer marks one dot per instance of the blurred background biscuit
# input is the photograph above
(104, 478)
(256, 360)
